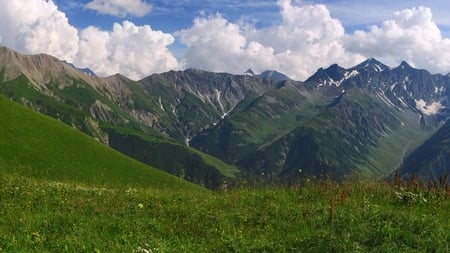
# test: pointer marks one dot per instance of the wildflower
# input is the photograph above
(146, 249)
(130, 191)
(141, 206)
(36, 237)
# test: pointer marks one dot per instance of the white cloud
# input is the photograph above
(134, 51)
(410, 35)
(307, 39)
(37, 26)
(431, 109)
(217, 45)
(120, 8)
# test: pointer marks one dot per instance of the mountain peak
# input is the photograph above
(371, 64)
(87, 71)
(335, 71)
(40, 69)
(405, 65)
(249, 72)
(274, 75)
(117, 76)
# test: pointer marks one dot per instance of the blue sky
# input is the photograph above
(170, 15)
(141, 37)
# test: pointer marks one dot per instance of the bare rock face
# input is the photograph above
(145, 117)
(40, 69)
(102, 112)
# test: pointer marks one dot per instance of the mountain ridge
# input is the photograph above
(260, 124)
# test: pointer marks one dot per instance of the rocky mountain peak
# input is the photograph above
(404, 64)
(249, 72)
(40, 69)
(371, 64)
(274, 75)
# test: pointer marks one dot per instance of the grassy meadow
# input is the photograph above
(50, 216)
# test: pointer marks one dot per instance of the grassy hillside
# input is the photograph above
(172, 157)
(81, 106)
(45, 216)
(34, 145)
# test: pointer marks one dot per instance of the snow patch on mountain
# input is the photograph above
(160, 104)
(200, 96)
(428, 109)
(439, 90)
(381, 95)
(218, 93)
(405, 105)
(393, 86)
(378, 68)
(350, 74)
(337, 83)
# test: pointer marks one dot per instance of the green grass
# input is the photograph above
(38, 146)
(225, 169)
(50, 216)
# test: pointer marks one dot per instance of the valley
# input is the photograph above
(213, 127)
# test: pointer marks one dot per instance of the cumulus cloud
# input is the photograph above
(134, 51)
(120, 8)
(428, 109)
(37, 26)
(409, 35)
(218, 45)
(307, 39)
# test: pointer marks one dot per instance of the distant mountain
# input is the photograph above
(338, 122)
(249, 72)
(87, 71)
(184, 103)
(370, 65)
(271, 74)
(362, 120)
(274, 75)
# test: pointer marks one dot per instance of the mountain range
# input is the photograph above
(207, 127)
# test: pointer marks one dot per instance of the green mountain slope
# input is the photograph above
(176, 158)
(430, 160)
(284, 134)
(257, 121)
(38, 146)
(108, 109)
(192, 100)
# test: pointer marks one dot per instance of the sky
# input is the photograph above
(140, 37)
